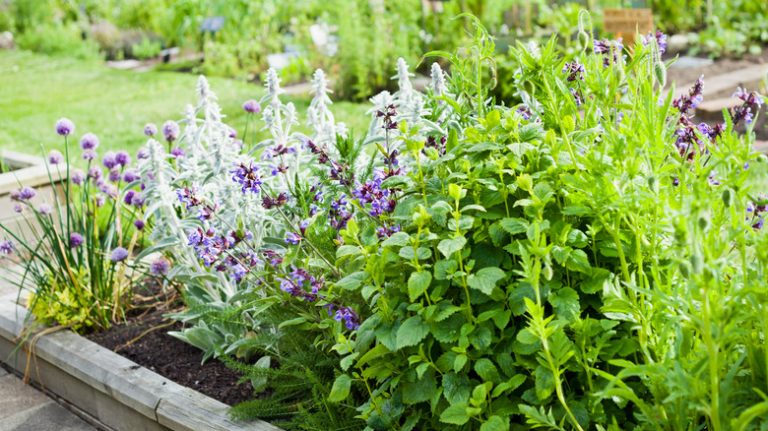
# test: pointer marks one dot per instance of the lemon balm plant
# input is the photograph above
(76, 247)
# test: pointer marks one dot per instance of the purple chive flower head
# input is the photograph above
(150, 129)
(65, 127)
(75, 240)
(89, 141)
(122, 158)
(89, 155)
(6, 247)
(160, 266)
(118, 255)
(17, 208)
(45, 209)
(251, 106)
(109, 160)
(142, 154)
(177, 152)
(139, 224)
(94, 173)
(55, 157)
(77, 177)
(114, 175)
(24, 194)
(130, 176)
(171, 130)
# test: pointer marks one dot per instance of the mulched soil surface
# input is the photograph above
(144, 339)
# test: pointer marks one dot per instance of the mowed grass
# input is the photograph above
(37, 90)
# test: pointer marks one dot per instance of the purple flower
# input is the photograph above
(122, 158)
(45, 209)
(251, 106)
(65, 127)
(270, 202)
(94, 173)
(77, 177)
(75, 240)
(100, 200)
(686, 104)
(524, 112)
(575, 71)
(177, 152)
(246, 176)
(348, 316)
(89, 155)
(17, 208)
(371, 193)
(114, 175)
(130, 176)
(188, 197)
(661, 40)
(272, 257)
(610, 49)
(139, 224)
(150, 129)
(292, 238)
(89, 141)
(303, 227)
(142, 154)
(118, 255)
(128, 197)
(171, 130)
(160, 266)
(109, 161)
(6, 247)
(23, 194)
(55, 157)
(744, 111)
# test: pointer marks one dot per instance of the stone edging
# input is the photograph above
(117, 392)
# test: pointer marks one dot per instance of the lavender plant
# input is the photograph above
(73, 250)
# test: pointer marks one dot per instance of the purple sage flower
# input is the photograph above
(575, 71)
(661, 40)
(292, 238)
(75, 240)
(55, 157)
(246, 176)
(65, 127)
(251, 106)
(171, 130)
(150, 129)
(118, 255)
(89, 141)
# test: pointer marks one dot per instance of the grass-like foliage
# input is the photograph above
(74, 241)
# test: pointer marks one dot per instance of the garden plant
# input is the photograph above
(588, 257)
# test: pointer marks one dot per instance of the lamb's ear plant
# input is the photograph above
(74, 264)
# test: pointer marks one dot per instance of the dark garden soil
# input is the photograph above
(144, 339)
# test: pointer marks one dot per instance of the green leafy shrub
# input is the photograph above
(57, 39)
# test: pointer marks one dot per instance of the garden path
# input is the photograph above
(23, 407)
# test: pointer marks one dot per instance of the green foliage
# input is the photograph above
(146, 49)
(61, 40)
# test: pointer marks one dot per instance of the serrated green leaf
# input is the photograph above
(340, 389)
(450, 246)
(411, 332)
(514, 225)
(352, 281)
(495, 423)
(398, 239)
(455, 414)
(485, 279)
(418, 283)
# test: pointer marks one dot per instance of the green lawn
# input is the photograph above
(36, 90)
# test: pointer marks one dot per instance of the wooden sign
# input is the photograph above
(626, 23)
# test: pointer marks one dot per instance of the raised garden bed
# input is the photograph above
(113, 390)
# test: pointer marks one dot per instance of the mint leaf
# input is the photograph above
(485, 279)
(411, 332)
(418, 283)
(450, 246)
(340, 389)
